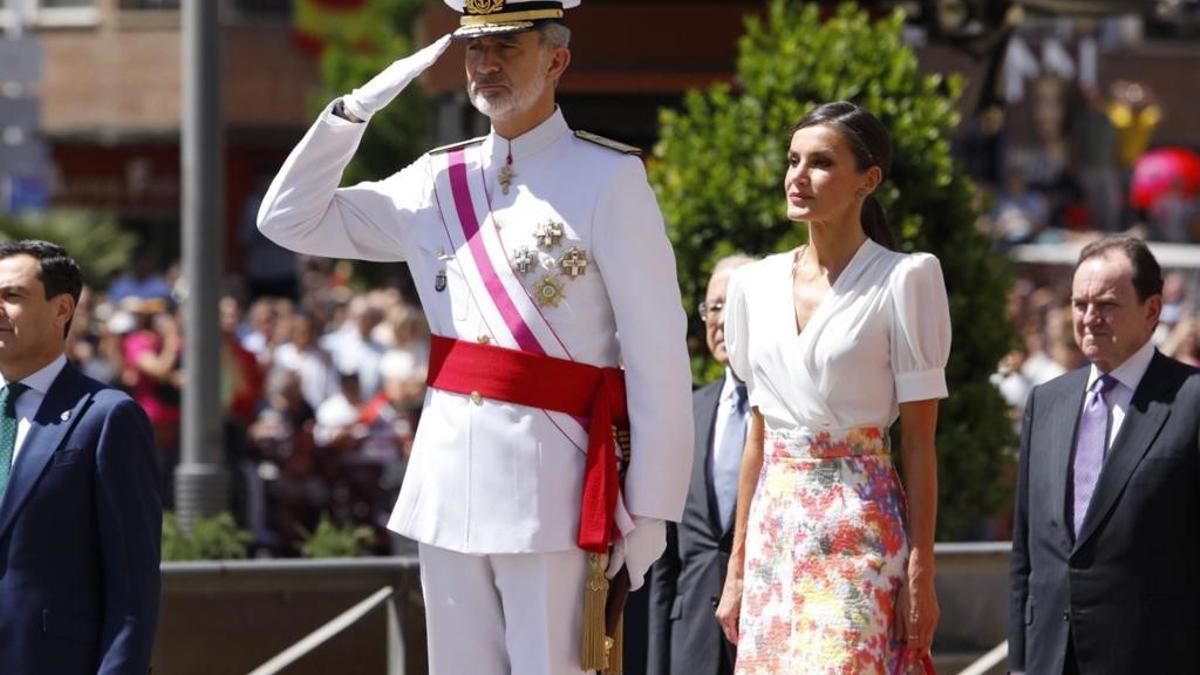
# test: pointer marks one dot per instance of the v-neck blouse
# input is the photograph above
(879, 337)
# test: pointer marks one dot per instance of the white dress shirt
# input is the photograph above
(879, 338)
(27, 406)
(1128, 375)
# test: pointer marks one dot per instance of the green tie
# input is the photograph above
(8, 429)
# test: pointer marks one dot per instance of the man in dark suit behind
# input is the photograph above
(80, 517)
(686, 582)
(1107, 522)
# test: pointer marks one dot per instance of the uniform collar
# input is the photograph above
(1129, 373)
(41, 380)
(527, 144)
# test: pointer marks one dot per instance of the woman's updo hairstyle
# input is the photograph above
(872, 146)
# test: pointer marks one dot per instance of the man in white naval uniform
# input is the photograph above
(535, 239)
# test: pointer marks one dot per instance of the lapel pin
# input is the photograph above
(65, 416)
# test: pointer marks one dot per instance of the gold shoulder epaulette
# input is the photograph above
(455, 146)
(608, 143)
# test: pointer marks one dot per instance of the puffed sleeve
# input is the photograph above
(737, 336)
(920, 329)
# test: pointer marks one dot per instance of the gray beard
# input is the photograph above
(512, 104)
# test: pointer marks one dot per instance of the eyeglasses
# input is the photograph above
(711, 311)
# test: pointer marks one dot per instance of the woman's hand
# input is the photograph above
(917, 610)
(729, 610)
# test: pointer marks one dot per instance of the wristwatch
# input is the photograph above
(339, 109)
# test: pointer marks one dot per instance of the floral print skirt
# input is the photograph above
(826, 554)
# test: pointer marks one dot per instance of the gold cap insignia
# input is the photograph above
(484, 6)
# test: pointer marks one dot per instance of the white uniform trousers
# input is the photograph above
(503, 614)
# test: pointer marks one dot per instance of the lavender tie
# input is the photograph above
(1089, 447)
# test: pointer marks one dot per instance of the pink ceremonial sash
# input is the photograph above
(513, 318)
(468, 222)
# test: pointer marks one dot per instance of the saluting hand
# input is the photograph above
(370, 98)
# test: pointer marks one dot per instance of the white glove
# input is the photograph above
(374, 95)
(638, 549)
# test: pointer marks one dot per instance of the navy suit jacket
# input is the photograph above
(685, 637)
(1126, 590)
(80, 530)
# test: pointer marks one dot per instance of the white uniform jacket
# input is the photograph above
(487, 476)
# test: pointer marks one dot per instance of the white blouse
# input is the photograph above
(879, 337)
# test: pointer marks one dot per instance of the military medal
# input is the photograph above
(439, 282)
(548, 291)
(549, 234)
(574, 262)
(505, 177)
(524, 258)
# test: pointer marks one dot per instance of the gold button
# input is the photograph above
(483, 339)
(476, 398)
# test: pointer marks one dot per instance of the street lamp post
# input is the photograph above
(201, 480)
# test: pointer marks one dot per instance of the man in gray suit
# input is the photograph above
(1107, 528)
(686, 582)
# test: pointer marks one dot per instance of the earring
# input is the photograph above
(861, 194)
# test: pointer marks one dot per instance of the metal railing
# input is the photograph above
(988, 661)
(395, 639)
(271, 616)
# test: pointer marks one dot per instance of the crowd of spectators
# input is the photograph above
(1065, 168)
(321, 392)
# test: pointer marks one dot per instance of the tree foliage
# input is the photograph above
(96, 240)
(336, 541)
(718, 171)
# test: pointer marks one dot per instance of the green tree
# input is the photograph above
(95, 240)
(718, 171)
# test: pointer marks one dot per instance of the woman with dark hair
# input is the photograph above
(832, 568)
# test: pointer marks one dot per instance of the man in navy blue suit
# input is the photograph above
(80, 514)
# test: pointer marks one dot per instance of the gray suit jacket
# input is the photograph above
(1126, 591)
(684, 635)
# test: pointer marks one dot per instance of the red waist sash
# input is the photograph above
(576, 389)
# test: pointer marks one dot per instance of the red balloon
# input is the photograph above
(1156, 171)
